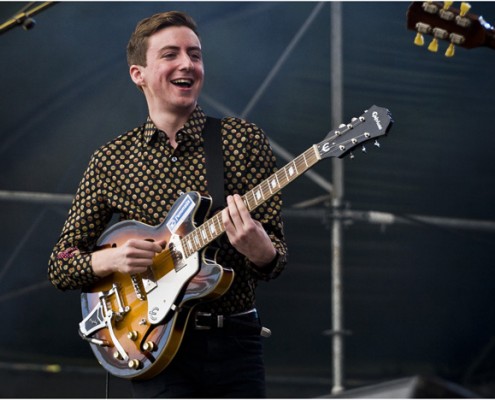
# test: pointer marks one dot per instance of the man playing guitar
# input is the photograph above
(139, 176)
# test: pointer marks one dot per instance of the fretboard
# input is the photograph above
(213, 228)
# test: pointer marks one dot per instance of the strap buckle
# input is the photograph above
(197, 324)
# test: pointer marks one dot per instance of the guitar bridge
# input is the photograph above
(101, 317)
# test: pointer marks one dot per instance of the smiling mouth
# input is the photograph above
(183, 83)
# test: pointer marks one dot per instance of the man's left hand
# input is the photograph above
(246, 234)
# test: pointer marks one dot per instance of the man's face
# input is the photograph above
(173, 77)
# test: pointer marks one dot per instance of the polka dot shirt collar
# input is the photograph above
(191, 131)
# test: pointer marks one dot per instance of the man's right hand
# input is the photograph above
(133, 257)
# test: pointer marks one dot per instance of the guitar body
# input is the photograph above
(135, 324)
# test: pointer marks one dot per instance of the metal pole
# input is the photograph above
(24, 17)
(337, 195)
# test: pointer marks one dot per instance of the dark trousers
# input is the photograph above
(211, 364)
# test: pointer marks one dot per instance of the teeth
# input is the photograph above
(182, 82)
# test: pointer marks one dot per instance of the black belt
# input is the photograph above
(243, 323)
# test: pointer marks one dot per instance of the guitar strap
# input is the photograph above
(214, 162)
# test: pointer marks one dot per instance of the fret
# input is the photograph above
(190, 246)
(265, 188)
(218, 223)
(281, 177)
(291, 169)
(313, 155)
(304, 156)
(258, 194)
(274, 185)
(196, 239)
(249, 198)
(204, 234)
(213, 229)
(299, 164)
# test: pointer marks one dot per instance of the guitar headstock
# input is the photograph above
(444, 22)
(373, 123)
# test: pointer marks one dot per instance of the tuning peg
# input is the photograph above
(433, 47)
(377, 144)
(447, 4)
(419, 40)
(351, 155)
(363, 149)
(465, 7)
(450, 50)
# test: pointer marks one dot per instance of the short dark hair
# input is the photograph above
(138, 43)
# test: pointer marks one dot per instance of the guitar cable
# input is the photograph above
(107, 385)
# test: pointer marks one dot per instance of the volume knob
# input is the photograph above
(135, 364)
(149, 346)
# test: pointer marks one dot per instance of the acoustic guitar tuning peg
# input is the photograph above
(419, 40)
(450, 50)
(433, 47)
(465, 7)
(377, 143)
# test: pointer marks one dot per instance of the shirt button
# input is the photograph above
(174, 159)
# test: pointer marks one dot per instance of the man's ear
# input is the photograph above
(136, 75)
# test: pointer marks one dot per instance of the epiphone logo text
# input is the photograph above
(377, 120)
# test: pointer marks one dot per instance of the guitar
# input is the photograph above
(135, 323)
(444, 22)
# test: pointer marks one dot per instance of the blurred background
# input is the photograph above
(418, 276)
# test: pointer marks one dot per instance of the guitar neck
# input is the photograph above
(375, 122)
(213, 228)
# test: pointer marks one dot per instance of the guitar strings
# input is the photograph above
(213, 228)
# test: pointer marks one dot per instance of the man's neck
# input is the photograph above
(170, 122)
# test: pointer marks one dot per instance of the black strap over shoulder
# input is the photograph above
(214, 162)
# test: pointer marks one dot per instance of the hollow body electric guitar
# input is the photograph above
(135, 323)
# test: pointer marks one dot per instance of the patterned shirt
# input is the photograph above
(139, 175)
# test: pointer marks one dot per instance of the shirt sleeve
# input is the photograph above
(261, 165)
(69, 266)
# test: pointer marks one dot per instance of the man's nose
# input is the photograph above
(186, 62)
